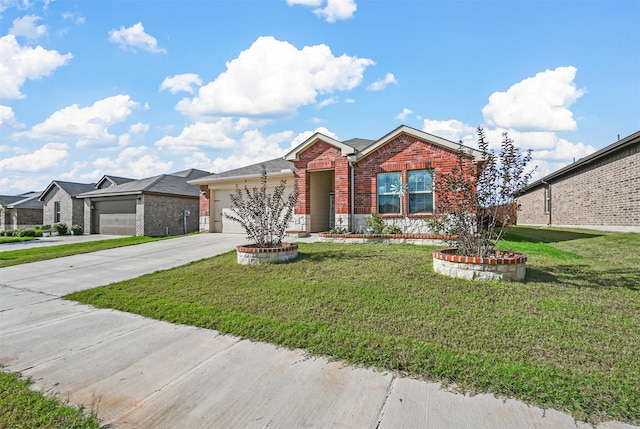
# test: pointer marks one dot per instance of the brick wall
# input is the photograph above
(604, 193)
(205, 209)
(402, 154)
(164, 213)
(321, 156)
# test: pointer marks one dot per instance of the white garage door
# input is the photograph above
(221, 204)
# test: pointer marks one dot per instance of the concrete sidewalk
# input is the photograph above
(142, 373)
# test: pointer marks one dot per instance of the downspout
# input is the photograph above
(352, 159)
(548, 185)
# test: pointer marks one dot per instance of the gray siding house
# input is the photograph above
(154, 206)
(600, 191)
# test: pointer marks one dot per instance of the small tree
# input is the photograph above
(263, 216)
(471, 199)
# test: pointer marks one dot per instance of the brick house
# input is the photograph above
(61, 202)
(20, 211)
(153, 206)
(600, 191)
(342, 183)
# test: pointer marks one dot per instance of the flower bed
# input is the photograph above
(507, 266)
(250, 255)
(419, 239)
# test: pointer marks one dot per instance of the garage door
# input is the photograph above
(116, 217)
(221, 204)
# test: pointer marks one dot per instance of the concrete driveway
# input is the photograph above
(142, 373)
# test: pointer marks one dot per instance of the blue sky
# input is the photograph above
(139, 88)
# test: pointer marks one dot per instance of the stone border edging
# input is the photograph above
(510, 267)
(248, 254)
(417, 239)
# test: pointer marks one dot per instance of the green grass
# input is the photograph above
(21, 407)
(15, 239)
(36, 254)
(567, 338)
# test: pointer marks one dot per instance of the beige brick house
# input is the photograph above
(600, 191)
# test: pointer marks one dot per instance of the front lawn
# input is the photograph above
(567, 338)
(24, 408)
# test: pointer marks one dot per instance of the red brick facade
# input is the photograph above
(402, 154)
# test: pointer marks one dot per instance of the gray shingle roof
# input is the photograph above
(273, 166)
(359, 144)
(165, 184)
(27, 201)
(71, 188)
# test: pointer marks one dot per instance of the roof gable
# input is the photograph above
(70, 188)
(346, 149)
(421, 135)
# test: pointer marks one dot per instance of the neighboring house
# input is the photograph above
(61, 202)
(342, 183)
(20, 211)
(600, 191)
(154, 206)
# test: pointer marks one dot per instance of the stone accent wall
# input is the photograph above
(604, 193)
(71, 209)
(163, 215)
(416, 239)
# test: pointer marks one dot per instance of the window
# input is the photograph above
(547, 198)
(56, 212)
(388, 201)
(420, 191)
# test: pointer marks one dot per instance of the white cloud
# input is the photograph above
(134, 38)
(349, 100)
(27, 27)
(198, 160)
(306, 134)
(327, 102)
(336, 10)
(200, 135)
(17, 64)
(8, 118)
(403, 115)
(537, 103)
(274, 78)
(452, 130)
(134, 162)
(89, 126)
(76, 19)
(381, 84)
(139, 128)
(50, 155)
(181, 82)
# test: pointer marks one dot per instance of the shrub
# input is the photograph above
(263, 216)
(9, 233)
(376, 223)
(46, 228)
(61, 228)
(27, 232)
(473, 200)
(76, 229)
(392, 229)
